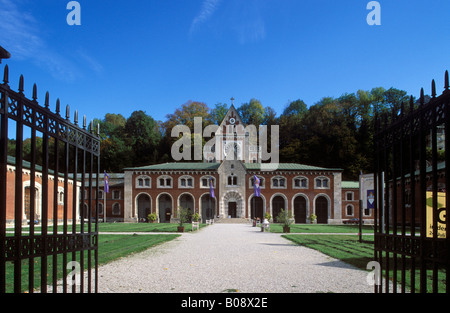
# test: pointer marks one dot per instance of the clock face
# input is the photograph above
(232, 121)
(232, 147)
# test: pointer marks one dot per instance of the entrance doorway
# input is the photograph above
(208, 205)
(187, 202)
(144, 207)
(256, 205)
(232, 209)
(300, 210)
(278, 204)
(165, 208)
(322, 210)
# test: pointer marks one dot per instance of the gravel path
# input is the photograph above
(226, 257)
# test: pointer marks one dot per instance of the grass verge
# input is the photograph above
(111, 247)
(348, 249)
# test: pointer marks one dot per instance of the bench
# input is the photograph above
(195, 225)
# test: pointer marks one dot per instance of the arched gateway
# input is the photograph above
(233, 205)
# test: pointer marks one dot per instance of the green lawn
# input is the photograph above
(319, 228)
(347, 248)
(111, 247)
(120, 227)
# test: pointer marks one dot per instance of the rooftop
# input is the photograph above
(215, 166)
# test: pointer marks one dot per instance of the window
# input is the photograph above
(186, 182)
(349, 196)
(349, 210)
(261, 182)
(143, 182)
(279, 182)
(232, 181)
(60, 196)
(100, 194)
(116, 194)
(164, 181)
(100, 208)
(322, 182)
(204, 182)
(300, 183)
(116, 209)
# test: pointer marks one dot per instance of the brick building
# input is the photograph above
(302, 189)
(56, 196)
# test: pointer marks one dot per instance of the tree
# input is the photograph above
(185, 116)
(218, 113)
(252, 113)
(144, 137)
(115, 153)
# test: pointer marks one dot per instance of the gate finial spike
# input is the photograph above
(34, 92)
(411, 104)
(76, 117)
(447, 87)
(58, 106)
(6, 75)
(21, 84)
(84, 121)
(98, 129)
(433, 88)
(47, 102)
(422, 97)
(67, 112)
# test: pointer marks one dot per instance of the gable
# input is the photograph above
(231, 118)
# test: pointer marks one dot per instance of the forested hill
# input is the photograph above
(335, 132)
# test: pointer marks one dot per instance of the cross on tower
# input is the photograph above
(232, 100)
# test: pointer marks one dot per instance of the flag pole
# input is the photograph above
(104, 206)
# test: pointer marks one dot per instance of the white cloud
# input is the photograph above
(20, 34)
(207, 10)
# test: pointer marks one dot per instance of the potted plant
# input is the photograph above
(183, 216)
(285, 218)
(195, 217)
(152, 217)
(313, 218)
(267, 216)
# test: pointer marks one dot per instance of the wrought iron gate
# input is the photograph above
(412, 175)
(47, 170)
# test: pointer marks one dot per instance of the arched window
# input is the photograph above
(322, 183)
(143, 182)
(261, 181)
(300, 182)
(349, 210)
(204, 182)
(186, 182)
(100, 208)
(164, 181)
(116, 209)
(279, 182)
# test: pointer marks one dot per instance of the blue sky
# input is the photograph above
(155, 55)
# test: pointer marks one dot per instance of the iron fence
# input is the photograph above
(412, 149)
(46, 163)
